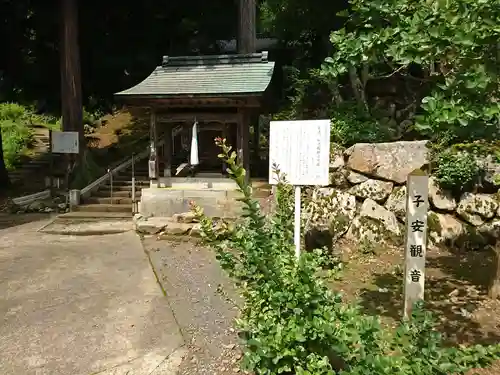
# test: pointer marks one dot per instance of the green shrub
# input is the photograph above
(349, 127)
(292, 323)
(17, 136)
(456, 171)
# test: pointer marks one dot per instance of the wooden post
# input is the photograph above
(246, 40)
(243, 138)
(225, 135)
(256, 140)
(153, 155)
(167, 151)
(417, 206)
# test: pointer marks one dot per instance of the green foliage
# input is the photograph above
(311, 97)
(17, 136)
(350, 126)
(456, 171)
(293, 324)
(449, 48)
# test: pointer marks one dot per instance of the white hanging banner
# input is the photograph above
(194, 160)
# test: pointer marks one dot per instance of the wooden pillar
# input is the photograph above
(167, 151)
(153, 152)
(225, 135)
(256, 139)
(243, 148)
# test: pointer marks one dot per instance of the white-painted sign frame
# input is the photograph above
(301, 149)
(301, 152)
(65, 142)
(417, 207)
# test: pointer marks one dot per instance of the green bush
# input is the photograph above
(348, 127)
(292, 323)
(17, 136)
(456, 171)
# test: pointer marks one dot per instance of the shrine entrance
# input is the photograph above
(191, 101)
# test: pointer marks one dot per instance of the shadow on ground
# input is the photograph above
(456, 294)
(13, 220)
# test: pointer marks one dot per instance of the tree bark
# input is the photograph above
(494, 291)
(71, 90)
(4, 174)
(358, 88)
(246, 40)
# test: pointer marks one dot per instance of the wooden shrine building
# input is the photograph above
(191, 101)
(220, 93)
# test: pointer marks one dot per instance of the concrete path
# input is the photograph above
(74, 305)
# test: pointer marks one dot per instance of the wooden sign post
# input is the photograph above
(417, 206)
(301, 151)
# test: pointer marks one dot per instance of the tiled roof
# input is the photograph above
(206, 75)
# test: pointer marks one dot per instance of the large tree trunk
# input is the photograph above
(246, 41)
(4, 175)
(494, 291)
(71, 90)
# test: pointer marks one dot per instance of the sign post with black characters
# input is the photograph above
(417, 207)
(301, 151)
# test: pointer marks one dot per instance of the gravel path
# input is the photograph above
(202, 298)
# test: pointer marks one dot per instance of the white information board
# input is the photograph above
(417, 206)
(65, 143)
(301, 150)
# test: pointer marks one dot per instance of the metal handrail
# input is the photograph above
(110, 173)
(125, 164)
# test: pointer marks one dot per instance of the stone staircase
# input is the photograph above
(30, 176)
(114, 201)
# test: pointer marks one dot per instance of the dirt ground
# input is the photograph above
(456, 288)
(455, 291)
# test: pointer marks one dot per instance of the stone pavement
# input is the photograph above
(81, 305)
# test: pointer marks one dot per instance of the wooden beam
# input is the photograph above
(252, 101)
(201, 117)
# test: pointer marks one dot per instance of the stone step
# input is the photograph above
(92, 216)
(129, 178)
(104, 208)
(141, 183)
(118, 194)
(107, 188)
(109, 200)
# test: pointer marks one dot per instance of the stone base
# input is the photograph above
(200, 182)
(166, 202)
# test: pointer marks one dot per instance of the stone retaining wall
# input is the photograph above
(366, 198)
